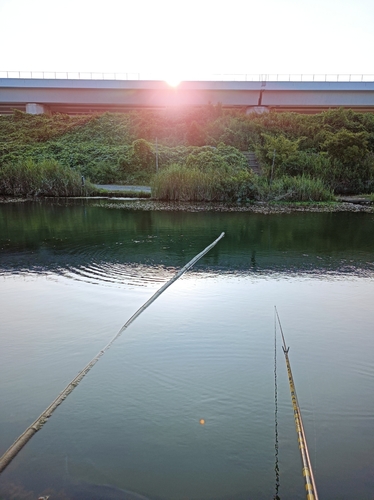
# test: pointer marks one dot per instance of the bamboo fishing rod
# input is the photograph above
(21, 441)
(310, 485)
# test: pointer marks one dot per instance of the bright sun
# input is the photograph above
(173, 81)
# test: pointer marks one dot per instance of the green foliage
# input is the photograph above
(278, 154)
(233, 130)
(287, 188)
(22, 128)
(342, 159)
(143, 156)
(207, 174)
(221, 174)
(206, 160)
(232, 156)
(346, 147)
(91, 145)
(108, 129)
(48, 178)
(167, 155)
(334, 120)
(336, 146)
(178, 183)
(196, 135)
(222, 158)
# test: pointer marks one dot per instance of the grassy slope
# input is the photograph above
(336, 146)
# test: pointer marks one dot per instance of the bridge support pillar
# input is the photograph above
(36, 109)
(257, 109)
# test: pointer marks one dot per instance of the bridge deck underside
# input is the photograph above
(77, 97)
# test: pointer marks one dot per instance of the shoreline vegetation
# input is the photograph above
(144, 204)
(191, 155)
(256, 207)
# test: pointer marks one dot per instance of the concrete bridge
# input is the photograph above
(81, 96)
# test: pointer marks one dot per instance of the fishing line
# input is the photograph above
(311, 398)
(20, 442)
(276, 467)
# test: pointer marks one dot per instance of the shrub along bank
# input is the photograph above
(196, 153)
(47, 178)
(178, 183)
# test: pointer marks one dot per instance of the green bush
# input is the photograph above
(143, 157)
(336, 146)
(344, 162)
(223, 158)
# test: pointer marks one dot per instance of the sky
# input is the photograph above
(186, 40)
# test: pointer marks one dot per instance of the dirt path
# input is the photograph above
(117, 187)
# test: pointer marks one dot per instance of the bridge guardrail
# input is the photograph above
(243, 77)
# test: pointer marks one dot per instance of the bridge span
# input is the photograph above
(76, 96)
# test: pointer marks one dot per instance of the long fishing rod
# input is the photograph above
(310, 485)
(20, 442)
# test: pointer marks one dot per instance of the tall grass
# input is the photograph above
(287, 188)
(178, 183)
(47, 178)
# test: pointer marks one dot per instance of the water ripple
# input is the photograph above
(107, 274)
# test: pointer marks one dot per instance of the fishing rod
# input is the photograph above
(21, 441)
(310, 485)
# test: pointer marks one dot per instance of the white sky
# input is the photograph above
(189, 39)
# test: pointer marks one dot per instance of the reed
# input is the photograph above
(178, 183)
(300, 188)
(47, 178)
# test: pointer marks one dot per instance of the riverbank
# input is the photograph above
(153, 205)
(256, 207)
(119, 188)
(132, 202)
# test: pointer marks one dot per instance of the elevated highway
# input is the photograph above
(79, 96)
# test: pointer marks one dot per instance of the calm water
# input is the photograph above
(71, 276)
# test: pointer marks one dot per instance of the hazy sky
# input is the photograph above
(188, 39)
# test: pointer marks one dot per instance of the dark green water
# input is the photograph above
(42, 237)
(72, 274)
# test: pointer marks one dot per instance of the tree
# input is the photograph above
(143, 157)
(196, 135)
(347, 147)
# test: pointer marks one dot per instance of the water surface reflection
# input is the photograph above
(37, 237)
(72, 275)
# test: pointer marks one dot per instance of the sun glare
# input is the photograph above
(173, 81)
